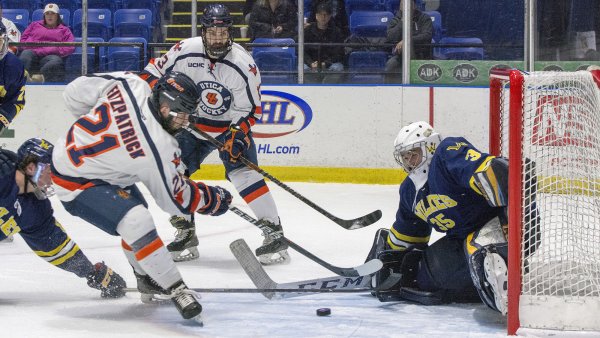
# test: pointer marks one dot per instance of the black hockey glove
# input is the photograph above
(236, 142)
(8, 162)
(217, 200)
(106, 280)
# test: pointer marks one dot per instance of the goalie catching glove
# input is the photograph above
(236, 142)
(216, 200)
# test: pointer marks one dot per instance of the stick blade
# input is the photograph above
(244, 255)
(360, 222)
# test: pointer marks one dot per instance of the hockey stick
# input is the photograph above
(271, 289)
(367, 268)
(352, 224)
(285, 290)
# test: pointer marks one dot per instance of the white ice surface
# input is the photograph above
(39, 300)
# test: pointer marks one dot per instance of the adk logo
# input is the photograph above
(465, 72)
(215, 99)
(429, 72)
(282, 114)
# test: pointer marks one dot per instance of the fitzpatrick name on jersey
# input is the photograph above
(215, 98)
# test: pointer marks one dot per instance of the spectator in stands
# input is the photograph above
(48, 60)
(273, 19)
(422, 32)
(14, 34)
(340, 18)
(322, 58)
(248, 9)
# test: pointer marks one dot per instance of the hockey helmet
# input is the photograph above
(39, 152)
(217, 42)
(415, 145)
(3, 40)
(180, 93)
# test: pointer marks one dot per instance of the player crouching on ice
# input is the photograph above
(124, 135)
(25, 186)
(454, 188)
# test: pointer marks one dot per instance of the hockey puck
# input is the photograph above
(323, 312)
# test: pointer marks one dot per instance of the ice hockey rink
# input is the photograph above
(39, 300)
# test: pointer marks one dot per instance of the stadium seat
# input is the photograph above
(271, 60)
(152, 5)
(394, 5)
(471, 51)
(362, 61)
(133, 23)
(436, 20)
(364, 5)
(113, 5)
(30, 5)
(99, 23)
(65, 15)
(73, 61)
(19, 16)
(370, 24)
(125, 57)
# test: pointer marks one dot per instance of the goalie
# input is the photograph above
(456, 189)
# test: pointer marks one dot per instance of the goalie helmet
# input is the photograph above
(217, 42)
(39, 152)
(415, 145)
(179, 92)
(3, 40)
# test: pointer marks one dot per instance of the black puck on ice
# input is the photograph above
(323, 312)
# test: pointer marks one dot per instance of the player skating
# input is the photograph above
(229, 84)
(453, 188)
(124, 136)
(25, 186)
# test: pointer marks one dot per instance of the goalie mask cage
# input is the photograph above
(547, 124)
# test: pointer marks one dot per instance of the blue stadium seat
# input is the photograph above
(30, 5)
(133, 23)
(73, 61)
(99, 23)
(364, 5)
(125, 57)
(436, 20)
(153, 5)
(113, 5)
(471, 51)
(362, 61)
(19, 16)
(370, 23)
(276, 59)
(65, 15)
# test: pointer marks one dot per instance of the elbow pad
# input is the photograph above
(492, 182)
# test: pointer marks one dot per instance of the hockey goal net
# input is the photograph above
(547, 124)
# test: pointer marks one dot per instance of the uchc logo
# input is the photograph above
(282, 114)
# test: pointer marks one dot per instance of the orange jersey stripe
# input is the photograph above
(72, 186)
(256, 194)
(148, 249)
(126, 246)
(210, 129)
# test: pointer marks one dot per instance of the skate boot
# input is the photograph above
(496, 274)
(149, 289)
(106, 280)
(185, 239)
(185, 302)
(273, 251)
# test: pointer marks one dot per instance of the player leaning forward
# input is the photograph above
(453, 188)
(124, 136)
(229, 82)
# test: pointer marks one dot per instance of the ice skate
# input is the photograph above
(150, 291)
(496, 274)
(186, 302)
(183, 248)
(272, 251)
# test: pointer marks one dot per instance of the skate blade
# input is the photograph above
(188, 254)
(198, 320)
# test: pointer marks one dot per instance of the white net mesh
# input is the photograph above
(561, 195)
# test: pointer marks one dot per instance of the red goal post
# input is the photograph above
(547, 125)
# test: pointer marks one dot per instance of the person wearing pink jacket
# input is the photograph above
(47, 60)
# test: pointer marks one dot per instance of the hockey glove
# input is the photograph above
(8, 162)
(236, 142)
(106, 280)
(217, 200)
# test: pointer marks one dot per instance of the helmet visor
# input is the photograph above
(43, 182)
(409, 158)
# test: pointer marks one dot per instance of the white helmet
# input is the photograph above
(414, 146)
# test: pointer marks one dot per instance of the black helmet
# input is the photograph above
(38, 151)
(179, 91)
(216, 15)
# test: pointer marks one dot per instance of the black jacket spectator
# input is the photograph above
(273, 19)
(339, 13)
(329, 55)
(422, 32)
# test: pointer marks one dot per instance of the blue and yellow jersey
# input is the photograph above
(449, 202)
(12, 88)
(33, 219)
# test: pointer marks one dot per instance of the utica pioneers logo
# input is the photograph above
(215, 99)
(282, 114)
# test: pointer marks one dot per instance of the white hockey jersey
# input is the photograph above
(117, 140)
(229, 87)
